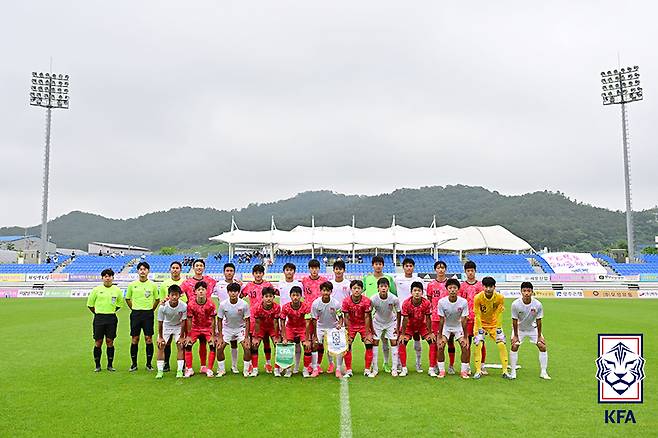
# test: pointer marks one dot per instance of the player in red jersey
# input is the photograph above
(416, 312)
(313, 281)
(436, 290)
(468, 290)
(293, 328)
(254, 292)
(357, 316)
(267, 315)
(201, 312)
(199, 267)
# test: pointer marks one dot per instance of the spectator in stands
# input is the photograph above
(72, 255)
(56, 258)
(48, 259)
(100, 253)
(121, 253)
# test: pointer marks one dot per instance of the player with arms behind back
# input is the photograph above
(233, 326)
(267, 315)
(415, 321)
(356, 313)
(201, 312)
(453, 312)
(172, 321)
(325, 315)
(488, 306)
(469, 289)
(385, 323)
(293, 328)
(527, 315)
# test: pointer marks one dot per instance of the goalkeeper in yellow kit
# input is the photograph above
(488, 307)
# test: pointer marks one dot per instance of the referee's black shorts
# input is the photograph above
(141, 320)
(105, 325)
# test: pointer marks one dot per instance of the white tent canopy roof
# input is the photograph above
(346, 238)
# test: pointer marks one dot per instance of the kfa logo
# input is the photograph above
(620, 369)
(618, 416)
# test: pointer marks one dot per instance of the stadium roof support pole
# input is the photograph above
(313, 237)
(48, 90)
(621, 87)
(395, 253)
(353, 246)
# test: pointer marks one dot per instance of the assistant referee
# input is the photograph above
(104, 301)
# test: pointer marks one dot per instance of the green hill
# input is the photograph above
(542, 218)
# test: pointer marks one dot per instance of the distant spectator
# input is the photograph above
(100, 253)
(143, 257)
(122, 253)
(56, 259)
(48, 259)
(72, 255)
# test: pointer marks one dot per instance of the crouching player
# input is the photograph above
(415, 321)
(453, 313)
(172, 320)
(325, 315)
(488, 306)
(201, 312)
(266, 314)
(356, 311)
(233, 316)
(385, 323)
(527, 314)
(293, 328)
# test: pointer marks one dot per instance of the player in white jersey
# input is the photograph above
(453, 311)
(229, 277)
(403, 286)
(233, 313)
(385, 323)
(341, 288)
(287, 283)
(171, 325)
(325, 315)
(527, 314)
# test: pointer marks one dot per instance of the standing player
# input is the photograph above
(469, 289)
(341, 284)
(266, 315)
(489, 306)
(172, 319)
(175, 269)
(436, 290)
(370, 289)
(233, 317)
(527, 314)
(104, 301)
(453, 311)
(403, 286)
(288, 282)
(254, 292)
(356, 312)
(201, 312)
(385, 323)
(293, 328)
(188, 287)
(325, 315)
(313, 281)
(221, 292)
(142, 297)
(415, 320)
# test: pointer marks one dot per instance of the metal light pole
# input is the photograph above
(48, 90)
(621, 87)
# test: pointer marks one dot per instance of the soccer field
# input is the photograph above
(48, 387)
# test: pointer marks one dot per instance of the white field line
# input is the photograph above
(345, 414)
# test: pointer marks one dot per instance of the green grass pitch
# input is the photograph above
(48, 387)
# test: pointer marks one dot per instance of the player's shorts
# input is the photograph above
(198, 334)
(169, 332)
(105, 325)
(321, 333)
(230, 334)
(422, 331)
(435, 326)
(266, 331)
(351, 333)
(293, 333)
(532, 335)
(384, 331)
(141, 320)
(458, 332)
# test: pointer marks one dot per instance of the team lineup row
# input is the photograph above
(379, 309)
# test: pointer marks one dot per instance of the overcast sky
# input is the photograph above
(220, 104)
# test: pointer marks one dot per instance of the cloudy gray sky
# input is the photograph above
(223, 103)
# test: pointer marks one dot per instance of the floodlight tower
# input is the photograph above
(621, 87)
(48, 90)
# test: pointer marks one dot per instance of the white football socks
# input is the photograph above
(543, 360)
